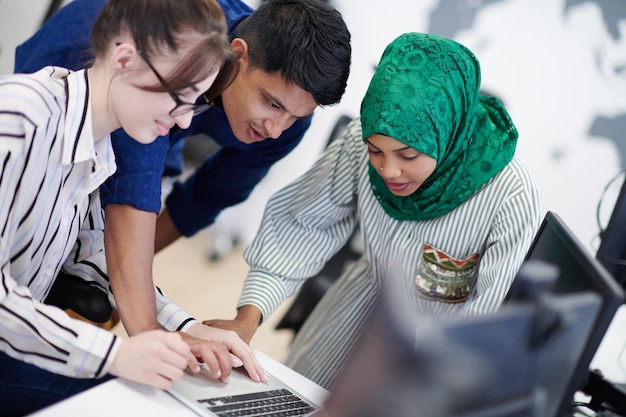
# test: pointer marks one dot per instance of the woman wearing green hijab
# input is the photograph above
(428, 172)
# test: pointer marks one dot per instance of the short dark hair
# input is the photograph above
(307, 41)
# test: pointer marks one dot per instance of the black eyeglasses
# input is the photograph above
(182, 107)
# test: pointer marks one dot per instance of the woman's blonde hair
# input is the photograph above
(157, 24)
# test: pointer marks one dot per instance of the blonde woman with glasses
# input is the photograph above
(153, 60)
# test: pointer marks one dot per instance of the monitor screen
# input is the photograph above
(612, 250)
(528, 358)
(508, 364)
(527, 351)
(579, 271)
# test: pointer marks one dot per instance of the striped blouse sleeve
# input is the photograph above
(88, 262)
(304, 225)
(88, 259)
(510, 235)
(31, 331)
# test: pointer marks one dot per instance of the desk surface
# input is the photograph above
(124, 398)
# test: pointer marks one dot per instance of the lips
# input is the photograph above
(163, 128)
(256, 136)
(397, 187)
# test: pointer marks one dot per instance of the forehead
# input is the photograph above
(384, 142)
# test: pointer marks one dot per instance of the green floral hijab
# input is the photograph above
(425, 93)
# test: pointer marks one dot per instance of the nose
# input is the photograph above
(388, 169)
(184, 120)
(277, 125)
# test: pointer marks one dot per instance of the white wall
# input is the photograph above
(18, 20)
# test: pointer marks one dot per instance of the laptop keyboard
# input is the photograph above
(275, 403)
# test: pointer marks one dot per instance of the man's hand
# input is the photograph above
(156, 358)
(232, 344)
(214, 354)
(245, 324)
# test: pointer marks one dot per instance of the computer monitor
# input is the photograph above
(612, 250)
(488, 365)
(508, 364)
(579, 271)
(527, 350)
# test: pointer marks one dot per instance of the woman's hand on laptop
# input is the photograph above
(215, 355)
(234, 345)
(155, 358)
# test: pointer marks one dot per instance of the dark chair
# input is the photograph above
(85, 299)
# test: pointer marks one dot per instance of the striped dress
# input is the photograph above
(51, 218)
(307, 222)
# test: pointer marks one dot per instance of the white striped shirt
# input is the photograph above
(307, 222)
(51, 218)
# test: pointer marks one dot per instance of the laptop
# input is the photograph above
(243, 397)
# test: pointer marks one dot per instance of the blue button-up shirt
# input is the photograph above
(224, 179)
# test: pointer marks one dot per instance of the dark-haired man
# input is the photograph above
(294, 55)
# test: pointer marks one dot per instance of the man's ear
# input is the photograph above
(240, 48)
(122, 55)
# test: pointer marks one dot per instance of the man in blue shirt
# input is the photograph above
(294, 55)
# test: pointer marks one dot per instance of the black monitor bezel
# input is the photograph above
(605, 284)
(612, 250)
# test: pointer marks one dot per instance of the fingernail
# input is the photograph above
(237, 362)
(218, 373)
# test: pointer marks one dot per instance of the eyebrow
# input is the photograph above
(282, 106)
(395, 150)
(194, 88)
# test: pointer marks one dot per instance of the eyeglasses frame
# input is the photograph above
(185, 107)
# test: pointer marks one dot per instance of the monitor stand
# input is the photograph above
(606, 398)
